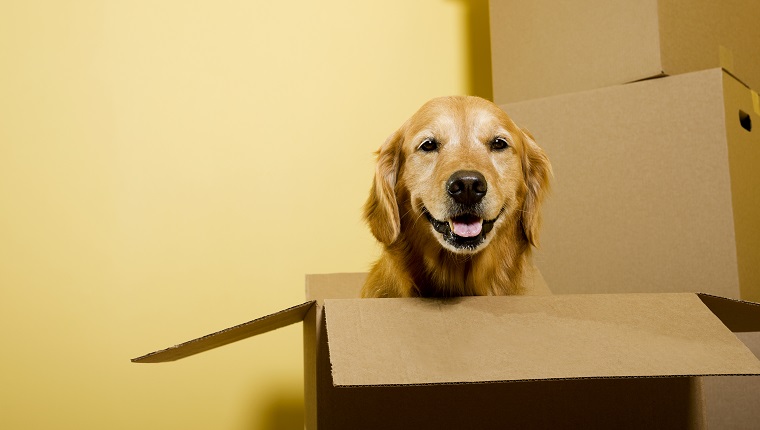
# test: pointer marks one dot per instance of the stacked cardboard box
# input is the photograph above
(656, 180)
(543, 48)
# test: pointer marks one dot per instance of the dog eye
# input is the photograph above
(499, 144)
(428, 145)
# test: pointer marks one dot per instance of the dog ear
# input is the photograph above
(537, 171)
(381, 209)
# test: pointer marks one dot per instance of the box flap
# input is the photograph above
(334, 286)
(489, 339)
(737, 315)
(229, 335)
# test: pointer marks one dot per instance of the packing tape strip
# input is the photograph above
(755, 102)
(726, 58)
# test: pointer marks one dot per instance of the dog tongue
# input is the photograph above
(466, 229)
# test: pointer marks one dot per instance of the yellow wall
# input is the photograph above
(168, 168)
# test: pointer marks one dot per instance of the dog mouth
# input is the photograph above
(465, 231)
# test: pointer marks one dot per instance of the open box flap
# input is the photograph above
(737, 315)
(233, 334)
(334, 286)
(490, 339)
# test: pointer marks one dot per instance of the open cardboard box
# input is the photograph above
(565, 361)
(543, 48)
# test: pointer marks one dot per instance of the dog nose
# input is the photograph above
(467, 187)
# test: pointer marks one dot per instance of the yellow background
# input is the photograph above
(169, 168)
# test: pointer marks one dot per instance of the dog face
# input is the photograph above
(459, 170)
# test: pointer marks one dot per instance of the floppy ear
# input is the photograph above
(537, 171)
(381, 209)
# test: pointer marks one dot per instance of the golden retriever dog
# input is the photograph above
(456, 203)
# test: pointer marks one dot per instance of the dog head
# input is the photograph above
(458, 170)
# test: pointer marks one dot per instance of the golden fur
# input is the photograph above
(410, 201)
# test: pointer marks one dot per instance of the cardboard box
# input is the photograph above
(544, 48)
(656, 186)
(730, 402)
(573, 361)
(656, 189)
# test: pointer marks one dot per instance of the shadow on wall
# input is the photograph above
(284, 410)
(478, 45)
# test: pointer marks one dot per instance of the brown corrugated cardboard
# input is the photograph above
(656, 187)
(543, 47)
(731, 403)
(255, 327)
(598, 361)
(656, 190)
(739, 316)
(492, 339)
